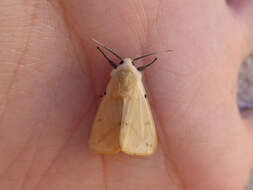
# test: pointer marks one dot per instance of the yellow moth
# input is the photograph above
(124, 120)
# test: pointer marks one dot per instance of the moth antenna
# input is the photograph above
(153, 53)
(108, 49)
(141, 68)
(108, 59)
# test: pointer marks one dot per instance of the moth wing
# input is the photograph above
(104, 137)
(138, 133)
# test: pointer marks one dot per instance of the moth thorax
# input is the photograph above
(127, 82)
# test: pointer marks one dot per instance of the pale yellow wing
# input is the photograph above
(104, 137)
(138, 133)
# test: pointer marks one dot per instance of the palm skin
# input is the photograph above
(52, 77)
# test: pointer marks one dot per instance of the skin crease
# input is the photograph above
(51, 77)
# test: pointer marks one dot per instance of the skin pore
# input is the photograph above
(51, 77)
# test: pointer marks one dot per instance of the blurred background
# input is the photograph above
(245, 94)
(245, 89)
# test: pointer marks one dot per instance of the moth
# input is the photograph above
(124, 120)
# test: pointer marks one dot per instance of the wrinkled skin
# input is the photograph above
(51, 77)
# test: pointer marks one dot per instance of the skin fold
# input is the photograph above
(52, 76)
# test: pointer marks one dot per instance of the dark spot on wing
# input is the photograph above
(148, 144)
(147, 123)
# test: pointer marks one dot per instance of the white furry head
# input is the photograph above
(126, 67)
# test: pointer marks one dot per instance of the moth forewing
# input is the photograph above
(104, 137)
(138, 133)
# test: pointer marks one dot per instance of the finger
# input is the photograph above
(44, 88)
(195, 92)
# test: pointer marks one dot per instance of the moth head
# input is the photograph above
(126, 61)
(127, 73)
